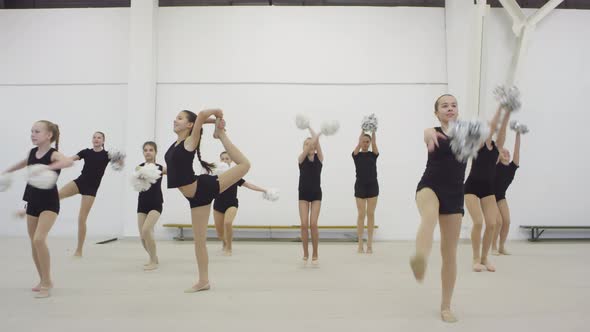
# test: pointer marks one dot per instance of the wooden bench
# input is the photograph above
(537, 230)
(269, 228)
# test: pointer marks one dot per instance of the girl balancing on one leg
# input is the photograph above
(96, 160)
(366, 187)
(149, 206)
(225, 208)
(42, 204)
(200, 190)
(310, 193)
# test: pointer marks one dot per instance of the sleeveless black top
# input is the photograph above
(35, 194)
(310, 175)
(179, 163)
(442, 168)
(483, 168)
(154, 194)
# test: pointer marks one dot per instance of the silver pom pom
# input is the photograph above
(519, 127)
(271, 195)
(41, 177)
(509, 98)
(220, 168)
(143, 178)
(117, 159)
(5, 181)
(467, 137)
(302, 121)
(370, 123)
(330, 128)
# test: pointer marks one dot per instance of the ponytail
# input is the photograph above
(54, 129)
(207, 166)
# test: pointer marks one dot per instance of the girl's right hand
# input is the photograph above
(432, 138)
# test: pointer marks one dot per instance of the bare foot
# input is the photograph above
(418, 265)
(495, 252)
(503, 251)
(198, 287)
(78, 254)
(488, 265)
(477, 266)
(43, 293)
(315, 262)
(361, 249)
(219, 126)
(150, 267)
(369, 250)
(38, 287)
(227, 252)
(448, 316)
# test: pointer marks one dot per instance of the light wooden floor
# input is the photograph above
(263, 287)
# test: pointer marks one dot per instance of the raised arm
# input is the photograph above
(59, 161)
(374, 143)
(516, 155)
(203, 117)
(358, 145)
(501, 139)
(315, 138)
(494, 125)
(253, 187)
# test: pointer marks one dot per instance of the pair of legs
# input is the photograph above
(38, 229)
(502, 228)
(366, 208)
(223, 225)
(86, 203)
(146, 223)
(309, 213)
(482, 210)
(450, 229)
(200, 215)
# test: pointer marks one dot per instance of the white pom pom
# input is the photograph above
(330, 128)
(467, 137)
(143, 178)
(302, 121)
(509, 98)
(271, 195)
(41, 177)
(5, 181)
(518, 127)
(117, 159)
(220, 168)
(370, 123)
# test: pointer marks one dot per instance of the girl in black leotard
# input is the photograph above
(87, 184)
(225, 208)
(479, 194)
(439, 197)
(149, 207)
(42, 204)
(310, 193)
(505, 171)
(200, 190)
(366, 187)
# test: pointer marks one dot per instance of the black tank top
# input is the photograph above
(310, 174)
(366, 167)
(32, 193)
(504, 177)
(95, 164)
(442, 168)
(483, 168)
(179, 163)
(154, 194)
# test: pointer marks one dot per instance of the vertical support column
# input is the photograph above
(141, 96)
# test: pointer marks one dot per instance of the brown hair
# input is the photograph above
(104, 138)
(54, 129)
(192, 118)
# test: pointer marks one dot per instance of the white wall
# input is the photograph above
(67, 66)
(397, 55)
(265, 64)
